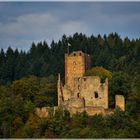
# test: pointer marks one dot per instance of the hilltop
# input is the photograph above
(28, 80)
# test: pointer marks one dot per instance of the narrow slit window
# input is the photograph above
(96, 94)
(78, 95)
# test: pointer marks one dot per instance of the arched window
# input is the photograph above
(84, 79)
(78, 79)
(74, 62)
(96, 94)
(74, 54)
(78, 95)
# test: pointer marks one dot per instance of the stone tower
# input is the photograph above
(76, 63)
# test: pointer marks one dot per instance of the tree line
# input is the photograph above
(110, 52)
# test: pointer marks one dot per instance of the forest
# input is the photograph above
(28, 79)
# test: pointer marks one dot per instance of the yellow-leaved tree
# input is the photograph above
(99, 71)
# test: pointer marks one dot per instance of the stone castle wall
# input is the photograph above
(44, 112)
(92, 90)
(120, 102)
(76, 64)
(82, 93)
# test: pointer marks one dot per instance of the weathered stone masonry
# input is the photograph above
(82, 93)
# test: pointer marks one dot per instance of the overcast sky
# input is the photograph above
(21, 23)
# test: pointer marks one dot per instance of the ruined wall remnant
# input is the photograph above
(120, 102)
(42, 112)
(84, 93)
(81, 93)
(92, 90)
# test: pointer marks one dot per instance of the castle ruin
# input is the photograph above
(82, 93)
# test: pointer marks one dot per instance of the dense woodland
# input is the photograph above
(28, 80)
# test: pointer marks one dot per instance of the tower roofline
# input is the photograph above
(75, 53)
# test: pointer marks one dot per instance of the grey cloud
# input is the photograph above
(38, 21)
(37, 27)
